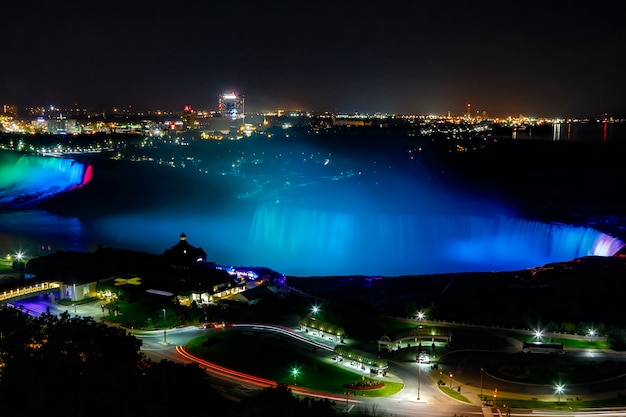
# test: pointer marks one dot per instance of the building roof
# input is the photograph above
(322, 326)
(184, 253)
(365, 358)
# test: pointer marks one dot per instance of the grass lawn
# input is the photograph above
(273, 357)
(453, 393)
(567, 343)
(565, 404)
(146, 312)
(541, 369)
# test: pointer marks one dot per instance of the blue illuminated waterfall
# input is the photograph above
(341, 243)
(26, 180)
(383, 224)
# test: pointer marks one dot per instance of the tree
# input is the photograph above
(74, 365)
(279, 401)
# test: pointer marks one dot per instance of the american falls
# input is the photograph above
(26, 180)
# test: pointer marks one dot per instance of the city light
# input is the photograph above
(559, 390)
(592, 333)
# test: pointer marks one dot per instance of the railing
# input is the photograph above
(28, 290)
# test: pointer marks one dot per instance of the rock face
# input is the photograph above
(584, 290)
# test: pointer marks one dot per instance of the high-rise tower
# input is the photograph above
(231, 105)
(189, 117)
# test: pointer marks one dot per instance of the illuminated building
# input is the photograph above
(182, 253)
(189, 118)
(231, 105)
(9, 110)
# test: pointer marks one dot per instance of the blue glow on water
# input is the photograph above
(38, 232)
(339, 226)
(306, 242)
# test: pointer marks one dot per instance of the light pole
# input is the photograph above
(419, 377)
(450, 374)
(164, 328)
(482, 370)
(592, 333)
(315, 309)
(559, 391)
(295, 372)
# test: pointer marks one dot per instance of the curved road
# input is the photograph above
(432, 401)
(158, 345)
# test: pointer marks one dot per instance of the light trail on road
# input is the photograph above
(255, 380)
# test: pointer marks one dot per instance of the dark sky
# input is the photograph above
(543, 58)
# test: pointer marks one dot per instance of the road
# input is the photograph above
(432, 401)
(169, 345)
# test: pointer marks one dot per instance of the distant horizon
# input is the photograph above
(168, 110)
(547, 59)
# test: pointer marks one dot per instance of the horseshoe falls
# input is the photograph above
(297, 240)
(25, 180)
(297, 222)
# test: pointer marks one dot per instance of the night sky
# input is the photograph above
(542, 58)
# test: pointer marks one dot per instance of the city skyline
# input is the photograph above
(547, 59)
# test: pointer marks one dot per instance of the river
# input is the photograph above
(301, 208)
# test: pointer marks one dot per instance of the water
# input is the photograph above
(590, 132)
(300, 210)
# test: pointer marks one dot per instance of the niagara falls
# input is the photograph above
(302, 208)
(26, 180)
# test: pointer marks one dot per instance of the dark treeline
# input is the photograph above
(74, 366)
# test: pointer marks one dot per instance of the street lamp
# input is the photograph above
(419, 377)
(164, 328)
(538, 334)
(592, 333)
(420, 315)
(450, 374)
(559, 390)
(482, 371)
(295, 371)
(315, 309)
